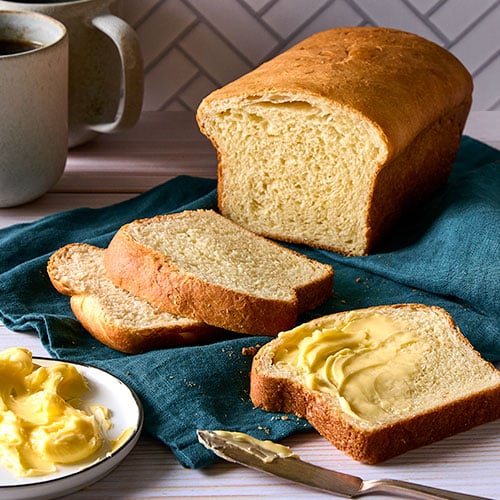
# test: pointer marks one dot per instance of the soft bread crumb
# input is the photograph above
(317, 156)
(217, 250)
(250, 351)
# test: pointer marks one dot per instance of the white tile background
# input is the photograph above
(191, 47)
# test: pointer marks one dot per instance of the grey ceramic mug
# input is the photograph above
(34, 105)
(105, 65)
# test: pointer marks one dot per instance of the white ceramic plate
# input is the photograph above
(127, 413)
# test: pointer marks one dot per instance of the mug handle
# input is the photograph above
(127, 43)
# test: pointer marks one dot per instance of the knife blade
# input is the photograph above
(279, 460)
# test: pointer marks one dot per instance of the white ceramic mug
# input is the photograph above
(105, 65)
(33, 104)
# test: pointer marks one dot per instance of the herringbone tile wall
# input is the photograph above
(191, 47)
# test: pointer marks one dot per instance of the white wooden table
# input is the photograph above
(161, 146)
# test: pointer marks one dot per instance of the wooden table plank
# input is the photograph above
(160, 147)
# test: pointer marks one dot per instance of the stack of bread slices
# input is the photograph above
(182, 278)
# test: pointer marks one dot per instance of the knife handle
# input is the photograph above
(413, 490)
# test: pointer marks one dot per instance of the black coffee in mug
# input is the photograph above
(9, 47)
(38, 1)
(105, 71)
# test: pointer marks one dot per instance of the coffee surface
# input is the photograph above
(41, 1)
(8, 47)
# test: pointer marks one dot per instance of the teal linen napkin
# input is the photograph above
(447, 255)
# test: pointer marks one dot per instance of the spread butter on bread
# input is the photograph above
(200, 265)
(379, 381)
(112, 315)
(331, 142)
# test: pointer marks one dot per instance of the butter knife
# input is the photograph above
(279, 460)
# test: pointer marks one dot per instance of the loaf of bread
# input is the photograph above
(330, 142)
(113, 316)
(380, 381)
(200, 265)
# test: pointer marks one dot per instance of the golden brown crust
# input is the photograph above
(401, 82)
(154, 277)
(392, 440)
(88, 308)
(407, 182)
(372, 447)
(123, 339)
(282, 394)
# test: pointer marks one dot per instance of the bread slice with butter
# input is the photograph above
(200, 265)
(112, 315)
(380, 381)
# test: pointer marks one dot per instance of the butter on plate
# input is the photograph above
(42, 418)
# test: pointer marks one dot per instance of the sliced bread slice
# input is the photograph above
(112, 315)
(201, 265)
(380, 381)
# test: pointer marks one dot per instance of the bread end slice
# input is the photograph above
(112, 315)
(372, 395)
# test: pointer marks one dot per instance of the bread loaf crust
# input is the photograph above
(407, 182)
(416, 94)
(401, 82)
(375, 446)
(371, 445)
(153, 276)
